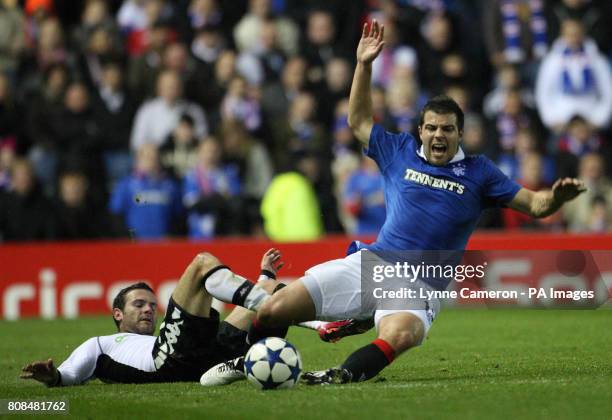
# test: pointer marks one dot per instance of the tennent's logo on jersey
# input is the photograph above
(431, 181)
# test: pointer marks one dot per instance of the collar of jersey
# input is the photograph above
(459, 156)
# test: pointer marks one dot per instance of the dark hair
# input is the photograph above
(119, 301)
(443, 104)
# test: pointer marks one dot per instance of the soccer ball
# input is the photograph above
(273, 363)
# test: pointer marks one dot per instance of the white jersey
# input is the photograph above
(134, 350)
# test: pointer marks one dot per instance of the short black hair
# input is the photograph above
(119, 301)
(443, 104)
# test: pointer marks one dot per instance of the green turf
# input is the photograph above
(475, 364)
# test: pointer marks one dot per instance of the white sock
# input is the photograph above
(232, 288)
(313, 325)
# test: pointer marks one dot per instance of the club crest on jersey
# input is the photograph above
(459, 169)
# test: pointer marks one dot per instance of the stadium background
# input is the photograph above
(269, 81)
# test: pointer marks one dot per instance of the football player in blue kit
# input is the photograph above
(434, 195)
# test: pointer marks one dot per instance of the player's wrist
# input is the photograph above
(55, 380)
(266, 274)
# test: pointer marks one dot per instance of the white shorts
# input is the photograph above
(335, 289)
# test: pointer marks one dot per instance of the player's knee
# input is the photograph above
(270, 313)
(204, 262)
(404, 340)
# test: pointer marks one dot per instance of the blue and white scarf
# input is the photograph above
(584, 86)
(511, 26)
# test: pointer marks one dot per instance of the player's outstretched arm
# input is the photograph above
(360, 114)
(42, 371)
(545, 202)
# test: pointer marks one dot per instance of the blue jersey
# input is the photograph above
(432, 207)
(367, 188)
(148, 205)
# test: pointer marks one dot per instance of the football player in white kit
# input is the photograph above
(191, 338)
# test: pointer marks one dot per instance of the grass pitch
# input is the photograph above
(475, 364)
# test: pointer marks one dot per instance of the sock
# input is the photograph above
(366, 362)
(259, 332)
(313, 325)
(228, 287)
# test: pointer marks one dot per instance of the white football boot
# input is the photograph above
(224, 373)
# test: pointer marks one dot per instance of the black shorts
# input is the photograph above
(189, 345)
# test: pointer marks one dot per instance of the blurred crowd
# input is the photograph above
(206, 118)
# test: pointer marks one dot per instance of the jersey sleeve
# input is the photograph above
(384, 146)
(499, 190)
(81, 364)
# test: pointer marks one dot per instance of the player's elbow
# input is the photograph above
(361, 128)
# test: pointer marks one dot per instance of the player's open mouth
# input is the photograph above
(438, 149)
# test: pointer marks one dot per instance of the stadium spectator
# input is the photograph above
(25, 213)
(474, 138)
(98, 49)
(364, 198)
(264, 61)
(576, 140)
(195, 80)
(336, 86)
(574, 79)
(11, 124)
(79, 136)
(442, 61)
(96, 14)
(157, 117)
(277, 95)
(592, 211)
(45, 107)
(290, 208)
(116, 107)
(49, 49)
(298, 132)
(144, 68)
(592, 13)
(241, 104)
(77, 215)
(395, 58)
(507, 78)
(139, 21)
(526, 143)
(12, 40)
(146, 204)
(249, 155)
(318, 46)
(247, 32)
(179, 152)
(204, 13)
(207, 45)
(255, 170)
(7, 159)
(530, 175)
(514, 116)
(402, 102)
(516, 31)
(224, 71)
(346, 158)
(210, 193)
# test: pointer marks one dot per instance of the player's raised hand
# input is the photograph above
(271, 260)
(567, 189)
(371, 42)
(42, 371)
